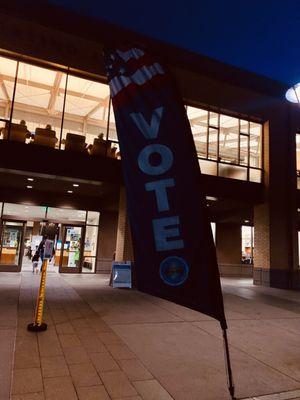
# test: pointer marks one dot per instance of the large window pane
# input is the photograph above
(11, 240)
(244, 149)
(23, 211)
(213, 143)
(7, 72)
(208, 167)
(199, 124)
(86, 113)
(90, 244)
(255, 175)
(255, 144)
(229, 139)
(66, 215)
(93, 218)
(247, 244)
(37, 110)
(112, 130)
(232, 171)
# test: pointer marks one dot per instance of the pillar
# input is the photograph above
(124, 249)
(107, 237)
(228, 245)
(274, 220)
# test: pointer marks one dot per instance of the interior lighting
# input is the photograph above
(30, 179)
(75, 185)
(29, 187)
(70, 191)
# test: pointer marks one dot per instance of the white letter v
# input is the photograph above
(149, 131)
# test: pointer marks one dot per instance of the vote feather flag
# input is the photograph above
(174, 252)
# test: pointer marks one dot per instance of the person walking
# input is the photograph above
(35, 261)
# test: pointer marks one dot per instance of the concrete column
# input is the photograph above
(274, 220)
(107, 237)
(36, 228)
(124, 250)
(228, 245)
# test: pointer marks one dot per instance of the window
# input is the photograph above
(85, 113)
(227, 146)
(38, 105)
(247, 244)
(57, 109)
(90, 241)
(298, 159)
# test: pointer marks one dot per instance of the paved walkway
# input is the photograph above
(105, 343)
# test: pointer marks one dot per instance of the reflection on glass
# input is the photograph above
(93, 217)
(11, 239)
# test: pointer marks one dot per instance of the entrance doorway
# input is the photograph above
(75, 235)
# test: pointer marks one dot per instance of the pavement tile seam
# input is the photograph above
(250, 355)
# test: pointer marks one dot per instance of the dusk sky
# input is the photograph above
(258, 35)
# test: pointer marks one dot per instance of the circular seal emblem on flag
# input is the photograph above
(174, 271)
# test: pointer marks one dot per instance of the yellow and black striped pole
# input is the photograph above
(38, 324)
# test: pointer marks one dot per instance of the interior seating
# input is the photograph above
(45, 137)
(98, 148)
(74, 142)
(18, 132)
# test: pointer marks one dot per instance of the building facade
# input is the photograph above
(60, 170)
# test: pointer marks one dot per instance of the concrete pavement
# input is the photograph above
(105, 343)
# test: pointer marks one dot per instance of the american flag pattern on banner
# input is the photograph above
(173, 247)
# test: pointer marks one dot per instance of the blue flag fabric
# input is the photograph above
(174, 252)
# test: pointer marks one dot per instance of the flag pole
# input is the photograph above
(228, 364)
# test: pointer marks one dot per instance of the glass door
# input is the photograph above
(71, 248)
(11, 243)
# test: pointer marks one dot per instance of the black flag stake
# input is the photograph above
(228, 364)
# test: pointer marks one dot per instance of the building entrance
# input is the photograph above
(74, 232)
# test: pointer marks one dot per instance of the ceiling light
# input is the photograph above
(211, 198)
(29, 187)
(246, 221)
(75, 185)
(30, 179)
(70, 191)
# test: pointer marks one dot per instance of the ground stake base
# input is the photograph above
(37, 328)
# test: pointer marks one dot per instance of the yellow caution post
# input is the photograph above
(38, 324)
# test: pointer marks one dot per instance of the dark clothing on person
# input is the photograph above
(36, 256)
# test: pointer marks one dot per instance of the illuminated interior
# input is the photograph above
(69, 112)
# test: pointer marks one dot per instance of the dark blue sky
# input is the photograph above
(258, 35)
